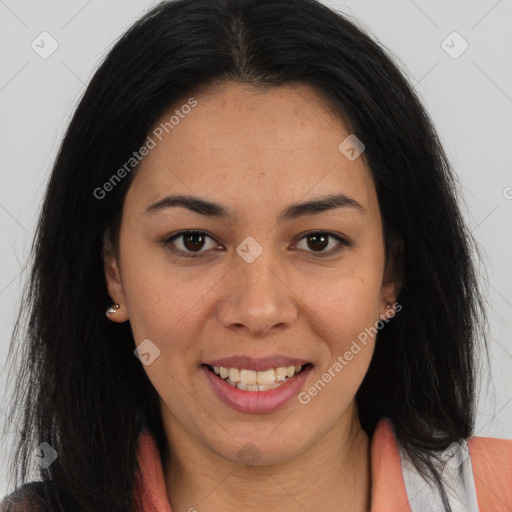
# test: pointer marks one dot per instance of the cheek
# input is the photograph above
(345, 305)
(345, 314)
(168, 310)
(164, 303)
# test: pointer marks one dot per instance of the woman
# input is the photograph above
(256, 197)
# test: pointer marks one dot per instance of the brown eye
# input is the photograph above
(318, 241)
(193, 241)
(190, 245)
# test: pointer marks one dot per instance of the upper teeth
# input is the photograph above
(251, 377)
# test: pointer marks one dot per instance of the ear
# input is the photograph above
(113, 280)
(392, 280)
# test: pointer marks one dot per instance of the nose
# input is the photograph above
(257, 297)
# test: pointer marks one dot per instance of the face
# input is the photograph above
(264, 286)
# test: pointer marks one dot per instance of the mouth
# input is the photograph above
(257, 391)
(257, 381)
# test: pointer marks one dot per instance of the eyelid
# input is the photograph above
(183, 254)
(342, 242)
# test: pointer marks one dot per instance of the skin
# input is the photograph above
(255, 151)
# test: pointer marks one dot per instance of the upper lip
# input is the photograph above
(256, 364)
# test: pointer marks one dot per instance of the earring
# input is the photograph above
(112, 309)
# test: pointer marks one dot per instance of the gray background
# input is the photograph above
(468, 97)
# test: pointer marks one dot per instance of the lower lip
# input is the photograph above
(257, 401)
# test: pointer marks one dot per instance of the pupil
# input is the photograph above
(196, 244)
(324, 241)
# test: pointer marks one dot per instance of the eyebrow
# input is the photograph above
(294, 211)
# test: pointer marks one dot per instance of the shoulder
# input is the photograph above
(492, 465)
(491, 454)
(28, 497)
(491, 445)
(37, 496)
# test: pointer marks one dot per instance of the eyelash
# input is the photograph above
(181, 254)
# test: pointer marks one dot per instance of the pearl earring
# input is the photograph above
(112, 309)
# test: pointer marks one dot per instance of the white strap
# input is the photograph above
(457, 477)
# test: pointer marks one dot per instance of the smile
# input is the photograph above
(250, 380)
(256, 391)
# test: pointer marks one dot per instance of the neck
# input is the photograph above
(334, 470)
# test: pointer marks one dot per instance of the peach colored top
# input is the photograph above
(491, 461)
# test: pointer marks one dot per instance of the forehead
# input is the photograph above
(254, 145)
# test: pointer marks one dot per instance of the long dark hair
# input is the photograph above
(79, 386)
